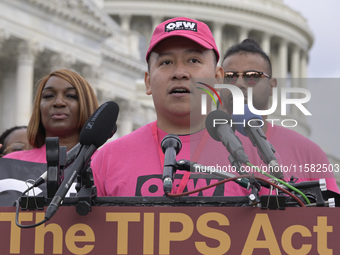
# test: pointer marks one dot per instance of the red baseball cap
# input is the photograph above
(194, 30)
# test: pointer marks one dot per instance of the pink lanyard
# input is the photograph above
(197, 153)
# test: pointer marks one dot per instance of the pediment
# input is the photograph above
(81, 12)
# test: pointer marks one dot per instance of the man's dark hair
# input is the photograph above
(249, 46)
(5, 134)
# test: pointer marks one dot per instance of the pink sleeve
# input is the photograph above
(97, 170)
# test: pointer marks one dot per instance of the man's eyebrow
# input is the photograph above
(162, 54)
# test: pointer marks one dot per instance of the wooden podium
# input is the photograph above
(142, 225)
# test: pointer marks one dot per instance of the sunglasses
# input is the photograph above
(250, 77)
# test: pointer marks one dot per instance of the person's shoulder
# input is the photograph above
(15, 154)
(33, 155)
(139, 136)
(294, 137)
(283, 131)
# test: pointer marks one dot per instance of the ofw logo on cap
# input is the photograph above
(181, 25)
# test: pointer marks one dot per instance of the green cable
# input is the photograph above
(280, 181)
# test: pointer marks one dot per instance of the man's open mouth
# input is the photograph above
(179, 91)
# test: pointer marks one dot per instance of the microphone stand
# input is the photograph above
(86, 190)
(53, 168)
(254, 184)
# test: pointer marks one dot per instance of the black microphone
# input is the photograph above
(94, 134)
(219, 129)
(71, 155)
(250, 125)
(171, 146)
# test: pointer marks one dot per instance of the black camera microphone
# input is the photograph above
(171, 146)
(258, 138)
(217, 125)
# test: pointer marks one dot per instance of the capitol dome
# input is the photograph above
(282, 32)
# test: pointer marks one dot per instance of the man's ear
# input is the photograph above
(273, 84)
(147, 83)
(219, 74)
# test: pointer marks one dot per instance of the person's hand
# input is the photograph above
(0, 145)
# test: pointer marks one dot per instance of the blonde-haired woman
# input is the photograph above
(64, 101)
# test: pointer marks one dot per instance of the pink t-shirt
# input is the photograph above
(133, 165)
(37, 155)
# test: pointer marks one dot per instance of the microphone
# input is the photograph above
(258, 138)
(72, 154)
(94, 134)
(70, 157)
(171, 146)
(219, 129)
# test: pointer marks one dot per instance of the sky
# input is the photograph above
(323, 70)
(323, 19)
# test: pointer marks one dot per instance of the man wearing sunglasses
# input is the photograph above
(247, 65)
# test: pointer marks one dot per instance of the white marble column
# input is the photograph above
(4, 36)
(156, 20)
(243, 34)
(150, 114)
(126, 117)
(8, 103)
(24, 80)
(295, 62)
(91, 74)
(7, 107)
(125, 22)
(99, 3)
(283, 59)
(217, 32)
(265, 43)
(227, 43)
(296, 80)
(304, 84)
(304, 64)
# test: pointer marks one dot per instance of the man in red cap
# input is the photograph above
(181, 50)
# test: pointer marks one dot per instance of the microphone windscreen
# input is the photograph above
(244, 118)
(101, 125)
(217, 116)
(173, 141)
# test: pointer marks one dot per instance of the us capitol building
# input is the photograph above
(106, 41)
